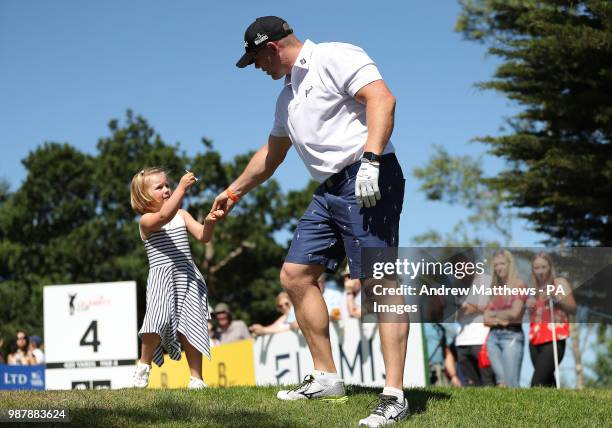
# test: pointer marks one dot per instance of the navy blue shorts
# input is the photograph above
(334, 226)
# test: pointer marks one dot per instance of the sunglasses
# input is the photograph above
(284, 305)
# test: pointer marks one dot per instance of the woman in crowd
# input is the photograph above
(20, 355)
(503, 315)
(282, 323)
(541, 328)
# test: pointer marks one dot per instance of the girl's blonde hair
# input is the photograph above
(551, 272)
(512, 273)
(140, 198)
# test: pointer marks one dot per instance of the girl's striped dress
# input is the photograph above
(177, 297)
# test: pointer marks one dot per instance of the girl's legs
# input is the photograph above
(150, 341)
(495, 356)
(544, 363)
(513, 356)
(194, 357)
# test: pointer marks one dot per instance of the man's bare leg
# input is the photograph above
(300, 281)
(392, 406)
(394, 341)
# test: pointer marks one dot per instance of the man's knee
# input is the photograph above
(294, 278)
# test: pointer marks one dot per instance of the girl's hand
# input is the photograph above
(187, 180)
(213, 216)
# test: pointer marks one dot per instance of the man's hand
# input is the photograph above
(455, 381)
(366, 184)
(222, 202)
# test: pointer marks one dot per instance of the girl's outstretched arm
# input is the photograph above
(201, 232)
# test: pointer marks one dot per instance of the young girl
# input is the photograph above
(541, 326)
(177, 304)
(503, 315)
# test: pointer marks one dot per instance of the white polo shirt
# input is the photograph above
(317, 110)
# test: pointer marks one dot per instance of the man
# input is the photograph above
(35, 349)
(230, 330)
(472, 334)
(338, 113)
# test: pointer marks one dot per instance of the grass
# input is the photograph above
(258, 407)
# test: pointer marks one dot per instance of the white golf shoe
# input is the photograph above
(388, 411)
(195, 383)
(141, 375)
(312, 389)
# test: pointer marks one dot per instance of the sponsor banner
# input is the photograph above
(284, 358)
(90, 334)
(230, 365)
(22, 377)
(90, 378)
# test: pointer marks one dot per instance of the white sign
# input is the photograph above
(284, 358)
(90, 335)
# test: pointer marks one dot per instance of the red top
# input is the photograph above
(540, 329)
(500, 303)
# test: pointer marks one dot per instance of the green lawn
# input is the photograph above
(258, 407)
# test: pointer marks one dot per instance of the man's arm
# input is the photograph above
(380, 114)
(261, 167)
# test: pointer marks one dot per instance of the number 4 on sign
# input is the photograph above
(93, 329)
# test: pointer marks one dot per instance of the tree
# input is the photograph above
(603, 363)
(556, 65)
(5, 191)
(460, 180)
(557, 58)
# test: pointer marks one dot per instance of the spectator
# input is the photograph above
(504, 315)
(541, 329)
(333, 297)
(213, 334)
(20, 355)
(283, 305)
(2, 360)
(230, 330)
(442, 362)
(353, 294)
(472, 334)
(35, 349)
(441, 352)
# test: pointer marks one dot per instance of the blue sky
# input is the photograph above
(68, 67)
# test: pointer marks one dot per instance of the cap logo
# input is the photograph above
(260, 39)
(246, 45)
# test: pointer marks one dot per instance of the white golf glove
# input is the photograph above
(366, 184)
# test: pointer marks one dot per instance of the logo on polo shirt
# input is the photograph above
(308, 91)
(260, 39)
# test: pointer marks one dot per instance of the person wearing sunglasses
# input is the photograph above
(282, 323)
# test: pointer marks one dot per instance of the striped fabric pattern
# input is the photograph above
(177, 297)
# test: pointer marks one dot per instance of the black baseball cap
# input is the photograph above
(262, 30)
